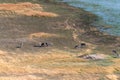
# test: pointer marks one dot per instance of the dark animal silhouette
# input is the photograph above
(115, 53)
(42, 45)
(46, 44)
(37, 45)
(81, 45)
(19, 45)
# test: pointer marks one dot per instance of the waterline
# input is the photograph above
(107, 10)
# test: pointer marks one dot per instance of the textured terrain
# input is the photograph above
(41, 41)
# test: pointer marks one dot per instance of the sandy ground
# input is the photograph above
(63, 27)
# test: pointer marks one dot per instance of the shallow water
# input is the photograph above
(107, 10)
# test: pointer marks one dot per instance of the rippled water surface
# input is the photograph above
(107, 10)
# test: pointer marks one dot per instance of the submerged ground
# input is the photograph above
(27, 24)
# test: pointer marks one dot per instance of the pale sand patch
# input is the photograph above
(112, 77)
(42, 35)
(3, 53)
(26, 8)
